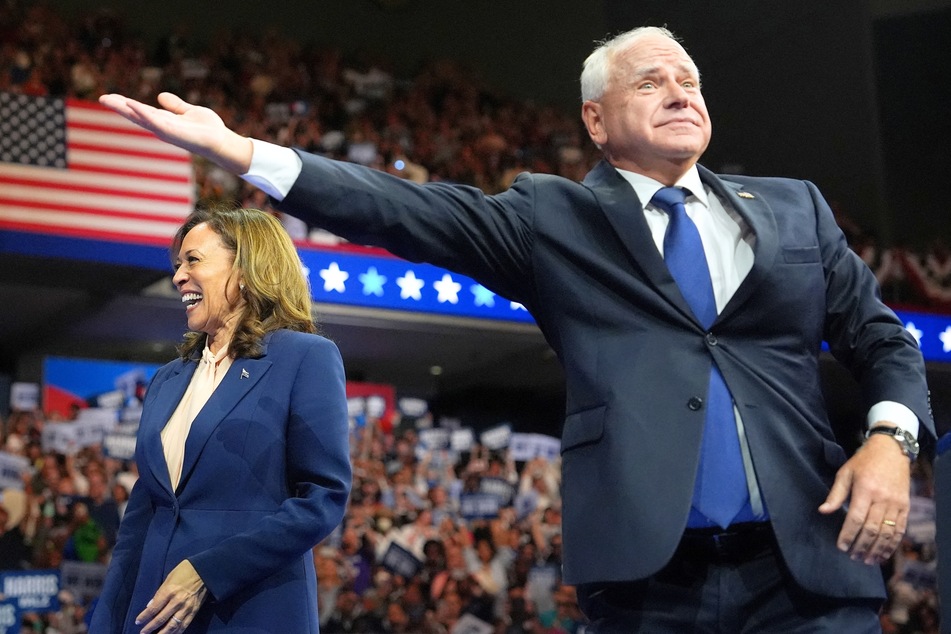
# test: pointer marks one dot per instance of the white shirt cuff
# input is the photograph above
(895, 413)
(274, 169)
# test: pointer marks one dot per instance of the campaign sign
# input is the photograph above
(24, 396)
(12, 468)
(461, 439)
(83, 579)
(401, 562)
(119, 446)
(497, 437)
(434, 438)
(34, 590)
(524, 447)
(9, 617)
(478, 506)
(60, 438)
(499, 487)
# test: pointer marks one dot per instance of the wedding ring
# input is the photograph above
(177, 620)
(889, 522)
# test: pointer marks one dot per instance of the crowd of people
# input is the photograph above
(407, 509)
(442, 124)
(499, 571)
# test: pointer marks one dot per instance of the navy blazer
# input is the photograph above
(580, 257)
(266, 476)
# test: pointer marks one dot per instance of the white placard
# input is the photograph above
(25, 396)
(497, 437)
(461, 439)
(524, 447)
(12, 469)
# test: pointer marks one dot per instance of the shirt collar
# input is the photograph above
(208, 357)
(645, 187)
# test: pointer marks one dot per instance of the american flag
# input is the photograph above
(71, 167)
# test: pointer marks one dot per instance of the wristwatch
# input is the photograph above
(909, 444)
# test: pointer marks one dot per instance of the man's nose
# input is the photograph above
(677, 96)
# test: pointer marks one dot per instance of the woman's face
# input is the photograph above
(208, 285)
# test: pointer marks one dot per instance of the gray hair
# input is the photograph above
(596, 71)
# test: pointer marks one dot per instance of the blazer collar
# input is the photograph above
(753, 208)
(240, 379)
(625, 213)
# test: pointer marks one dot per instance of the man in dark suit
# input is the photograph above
(684, 347)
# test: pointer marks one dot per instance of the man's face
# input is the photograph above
(651, 118)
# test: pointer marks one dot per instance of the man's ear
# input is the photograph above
(593, 121)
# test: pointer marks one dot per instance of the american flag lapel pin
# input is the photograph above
(745, 195)
(244, 374)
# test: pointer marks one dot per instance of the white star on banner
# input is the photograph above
(410, 285)
(372, 282)
(482, 295)
(945, 338)
(334, 278)
(517, 306)
(448, 290)
(915, 332)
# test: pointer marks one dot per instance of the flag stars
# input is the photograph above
(945, 338)
(915, 332)
(334, 278)
(448, 290)
(410, 286)
(483, 296)
(372, 282)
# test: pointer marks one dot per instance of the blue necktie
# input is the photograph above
(720, 492)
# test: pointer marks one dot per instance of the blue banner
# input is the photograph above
(34, 590)
(371, 278)
(9, 617)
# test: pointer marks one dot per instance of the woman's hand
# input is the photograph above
(175, 602)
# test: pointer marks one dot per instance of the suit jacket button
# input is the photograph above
(695, 403)
(711, 339)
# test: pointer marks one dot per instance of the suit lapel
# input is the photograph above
(242, 376)
(154, 418)
(754, 209)
(623, 210)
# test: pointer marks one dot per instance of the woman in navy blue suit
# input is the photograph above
(242, 447)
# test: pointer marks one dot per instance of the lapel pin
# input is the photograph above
(745, 195)
(244, 374)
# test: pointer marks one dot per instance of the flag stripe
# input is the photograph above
(180, 191)
(94, 221)
(111, 160)
(104, 206)
(33, 184)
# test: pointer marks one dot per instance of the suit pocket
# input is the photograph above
(800, 255)
(583, 428)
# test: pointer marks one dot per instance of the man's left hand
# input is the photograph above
(877, 483)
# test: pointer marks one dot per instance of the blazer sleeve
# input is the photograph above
(318, 471)
(457, 227)
(113, 604)
(863, 333)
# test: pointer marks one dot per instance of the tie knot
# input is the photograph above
(667, 197)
